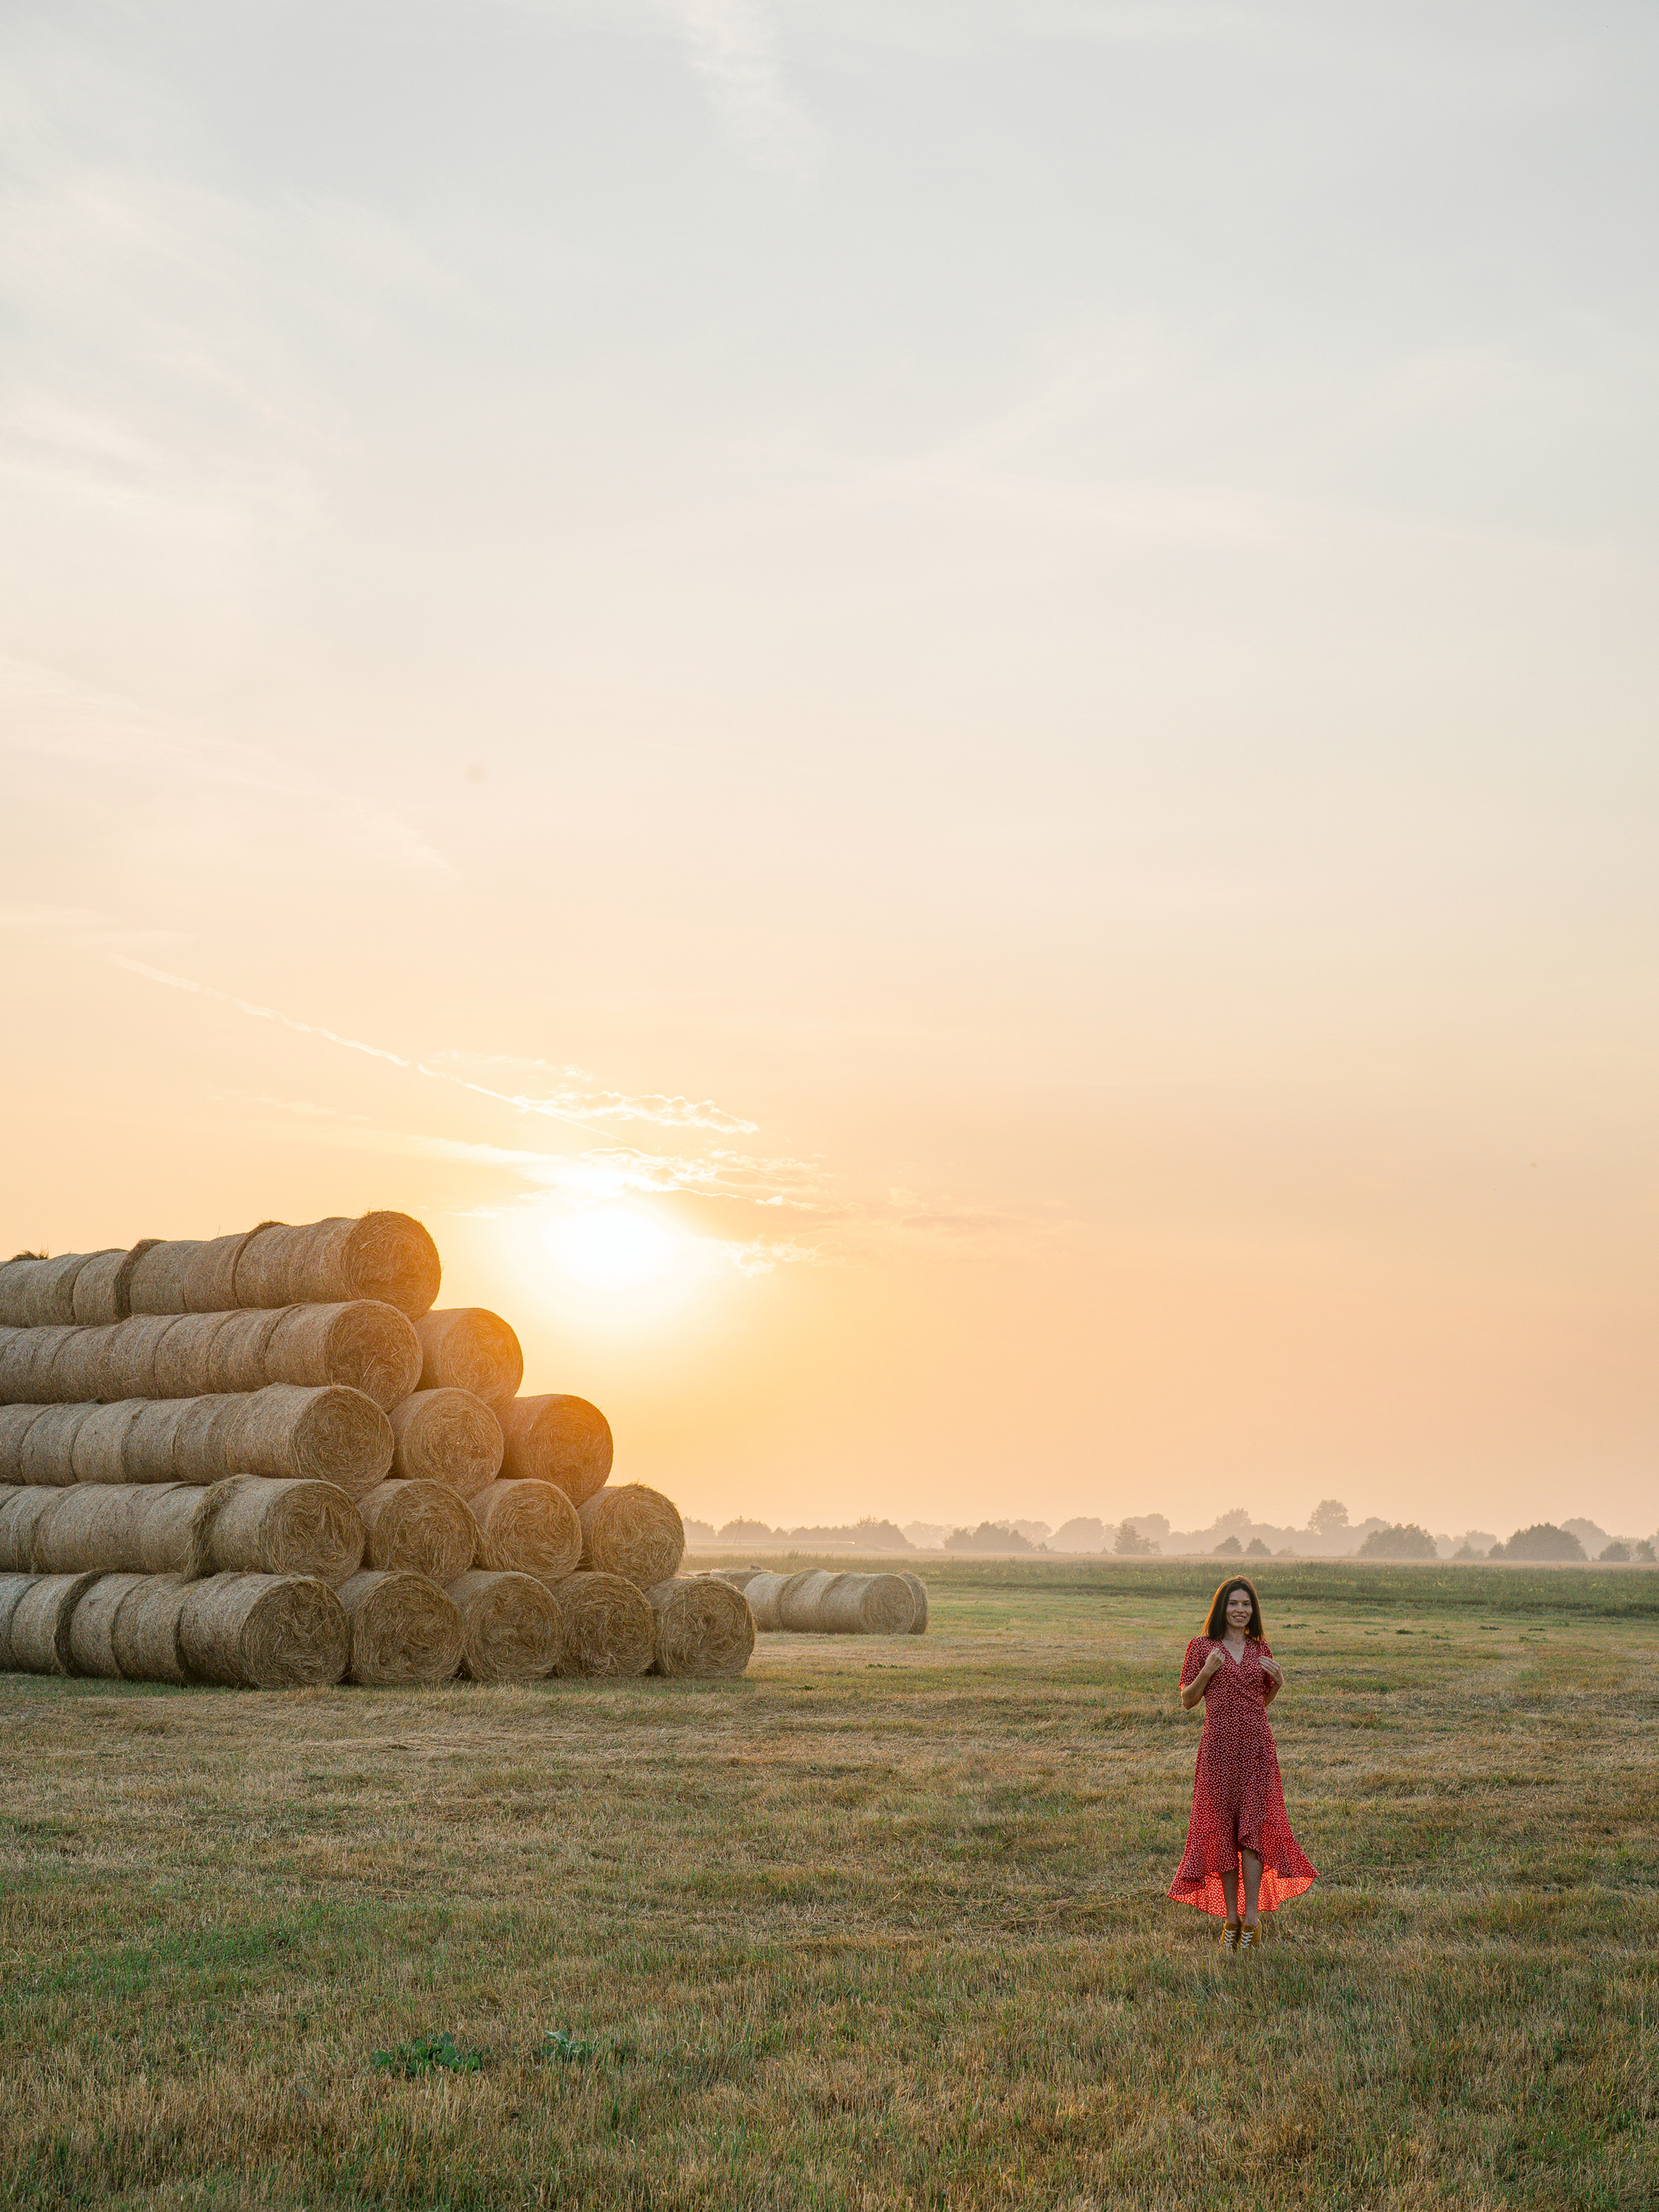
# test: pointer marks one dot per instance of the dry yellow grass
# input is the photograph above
(881, 1925)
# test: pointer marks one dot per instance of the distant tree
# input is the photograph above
(1235, 1519)
(1329, 1518)
(1468, 1551)
(1255, 1549)
(873, 1535)
(1542, 1541)
(1616, 1555)
(1229, 1548)
(1642, 1554)
(1129, 1544)
(1404, 1540)
(698, 1532)
(1155, 1525)
(988, 1537)
(744, 1532)
(1083, 1533)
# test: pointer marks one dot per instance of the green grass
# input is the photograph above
(882, 1925)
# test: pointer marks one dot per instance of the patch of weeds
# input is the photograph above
(565, 2049)
(427, 2054)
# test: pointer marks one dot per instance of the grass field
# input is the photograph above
(882, 1925)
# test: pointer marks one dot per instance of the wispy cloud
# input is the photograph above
(577, 1098)
(733, 46)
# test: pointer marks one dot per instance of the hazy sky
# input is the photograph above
(976, 683)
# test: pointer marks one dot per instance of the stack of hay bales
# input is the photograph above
(265, 1460)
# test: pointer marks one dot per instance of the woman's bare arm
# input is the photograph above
(1275, 1674)
(1192, 1693)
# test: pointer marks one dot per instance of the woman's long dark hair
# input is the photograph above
(1216, 1626)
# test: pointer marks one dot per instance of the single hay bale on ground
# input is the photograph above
(609, 1626)
(704, 1627)
(47, 1455)
(92, 1624)
(421, 1527)
(634, 1532)
(558, 1439)
(333, 1434)
(797, 1606)
(512, 1625)
(866, 1605)
(918, 1590)
(470, 1348)
(20, 1514)
(526, 1528)
(12, 1587)
(765, 1592)
(254, 1524)
(145, 1633)
(263, 1632)
(387, 1256)
(38, 1636)
(449, 1436)
(367, 1345)
(404, 1629)
(15, 1422)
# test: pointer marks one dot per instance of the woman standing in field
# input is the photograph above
(1238, 1800)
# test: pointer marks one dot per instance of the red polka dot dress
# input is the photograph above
(1238, 1800)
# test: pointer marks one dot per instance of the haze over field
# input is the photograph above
(936, 722)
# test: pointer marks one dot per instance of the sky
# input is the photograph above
(937, 721)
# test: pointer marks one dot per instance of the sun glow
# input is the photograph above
(614, 1248)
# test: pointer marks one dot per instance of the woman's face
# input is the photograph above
(1239, 1609)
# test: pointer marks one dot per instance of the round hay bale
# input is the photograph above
(470, 1348)
(332, 1433)
(512, 1627)
(254, 1524)
(609, 1626)
(704, 1627)
(77, 1371)
(420, 1526)
(99, 1293)
(12, 1587)
(236, 1351)
(20, 1514)
(634, 1532)
(167, 1524)
(38, 1636)
(92, 1624)
(99, 1451)
(799, 1603)
(157, 1282)
(16, 1288)
(144, 1634)
(558, 1439)
(183, 1365)
(87, 1531)
(918, 1590)
(126, 1357)
(263, 1632)
(34, 1293)
(404, 1629)
(27, 1357)
(526, 1528)
(15, 1422)
(149, 1449)
(866, 1605)
(740, 1577)
(208, 1281)
(384, 1255)
(765, 1593)
(447, 1436)
(368, 1345)
(47, 1455)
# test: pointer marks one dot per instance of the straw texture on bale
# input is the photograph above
(470, 1348)
(513, 1627)
(740, 1577)
(12, 1587)
(34, 1292)
(826, 1604)
(333, 1435)
(918, 1590)
(99, 1451)
(609, 1625)
(558, 1439)
(48, 1453)
(526, 1528)
(92, 1624)
(291, 1526)
(38, 1640)
(382, 1256)
(704, 1627)
(263, 1632)
(634, 1532)
(448, 1435)
(27, 1357)
(99, 1293)
(327, 1434)
(90, 1531)
(366, 1345)
(404, 1628)
(20, 1514)
(421, 1526)
(144, 1634)
(15, 1422)
(765, 1593)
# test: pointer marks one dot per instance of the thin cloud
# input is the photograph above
(734, 48)
(575, 1099)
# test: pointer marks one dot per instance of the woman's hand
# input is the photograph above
(1212, 1665)
(1192, 1692)
(1274, 1673)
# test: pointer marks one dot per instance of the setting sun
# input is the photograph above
(614, 1248)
